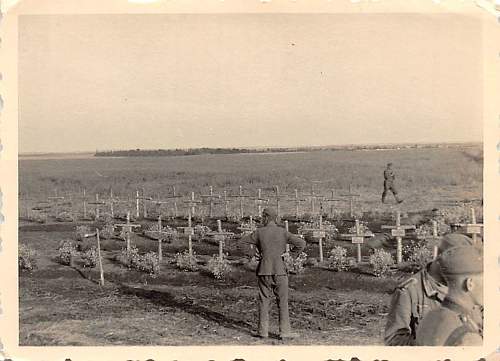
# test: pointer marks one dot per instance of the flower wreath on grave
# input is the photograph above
(363, 228)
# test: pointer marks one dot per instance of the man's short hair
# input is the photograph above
(269, 212)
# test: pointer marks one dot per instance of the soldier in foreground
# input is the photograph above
(390, 184)
(455, 323)
(418, 295)
(272, 276)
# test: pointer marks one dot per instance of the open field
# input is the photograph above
(425, 177)
(64, 305)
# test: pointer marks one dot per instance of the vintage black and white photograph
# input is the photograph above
(250, 179)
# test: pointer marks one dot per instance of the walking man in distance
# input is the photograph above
(272, 276)
(389, 184)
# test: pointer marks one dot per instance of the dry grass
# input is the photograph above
(425, 176)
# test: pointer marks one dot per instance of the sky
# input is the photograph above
(105, 82)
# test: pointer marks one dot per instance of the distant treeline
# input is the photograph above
(193, 151)
(199, 151)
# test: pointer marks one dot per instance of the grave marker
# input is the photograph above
(98, 204)
(318, 233)
(189, 231)
(297, 202)
(211, 196)
(358, 238)
(473, 228)
(313, 197)
(160, 239)
(332, 201)
(435, 239)
(144, 199)
(278, 198)
(191, 203)
(249, 228)
(259, 201)
(159, 202)
(111, 202)
(55, 202)
(226, 203)
(99, 256)
(174, 196)
(220, 236)
(127, 227)
(398, 231)
(241, 197)
(351, 197)
(287, 247)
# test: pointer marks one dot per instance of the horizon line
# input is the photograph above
(251, 147)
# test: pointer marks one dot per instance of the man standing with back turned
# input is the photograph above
(272, 275)
(389, 183)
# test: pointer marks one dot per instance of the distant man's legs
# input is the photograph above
(387, 186)
(395, 192)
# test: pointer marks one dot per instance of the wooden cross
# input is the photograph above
(211, 196)
(84, 199)
(160, 238)
(351, 197)
(111, 202)
(278, 198)
(159, 203)
(249, 228)
(97, 204)
(332, 200)
(101, 270)
(399, 232)
(318, 233)
(434, 240)
(189, 232)
(220, 236)
(55, 201)
(144, 199)
(241, 197)
(313, 196)
(472, 229)
(226, 204)
(259, 201)
(358, 238)
(127, 227)
(287, 247)
(192, 203)
(174, 196)
(297, 202)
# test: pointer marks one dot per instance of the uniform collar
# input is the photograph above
(474, 315)
(432, 287)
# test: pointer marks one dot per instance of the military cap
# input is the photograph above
(270, 212)
(454, 240)
(461, 260)
(389, 164)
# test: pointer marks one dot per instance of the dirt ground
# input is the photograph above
(63, 305)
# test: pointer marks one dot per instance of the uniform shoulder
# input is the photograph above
(412, 281)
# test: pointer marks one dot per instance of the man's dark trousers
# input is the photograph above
(390, 187)
(271, 286)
